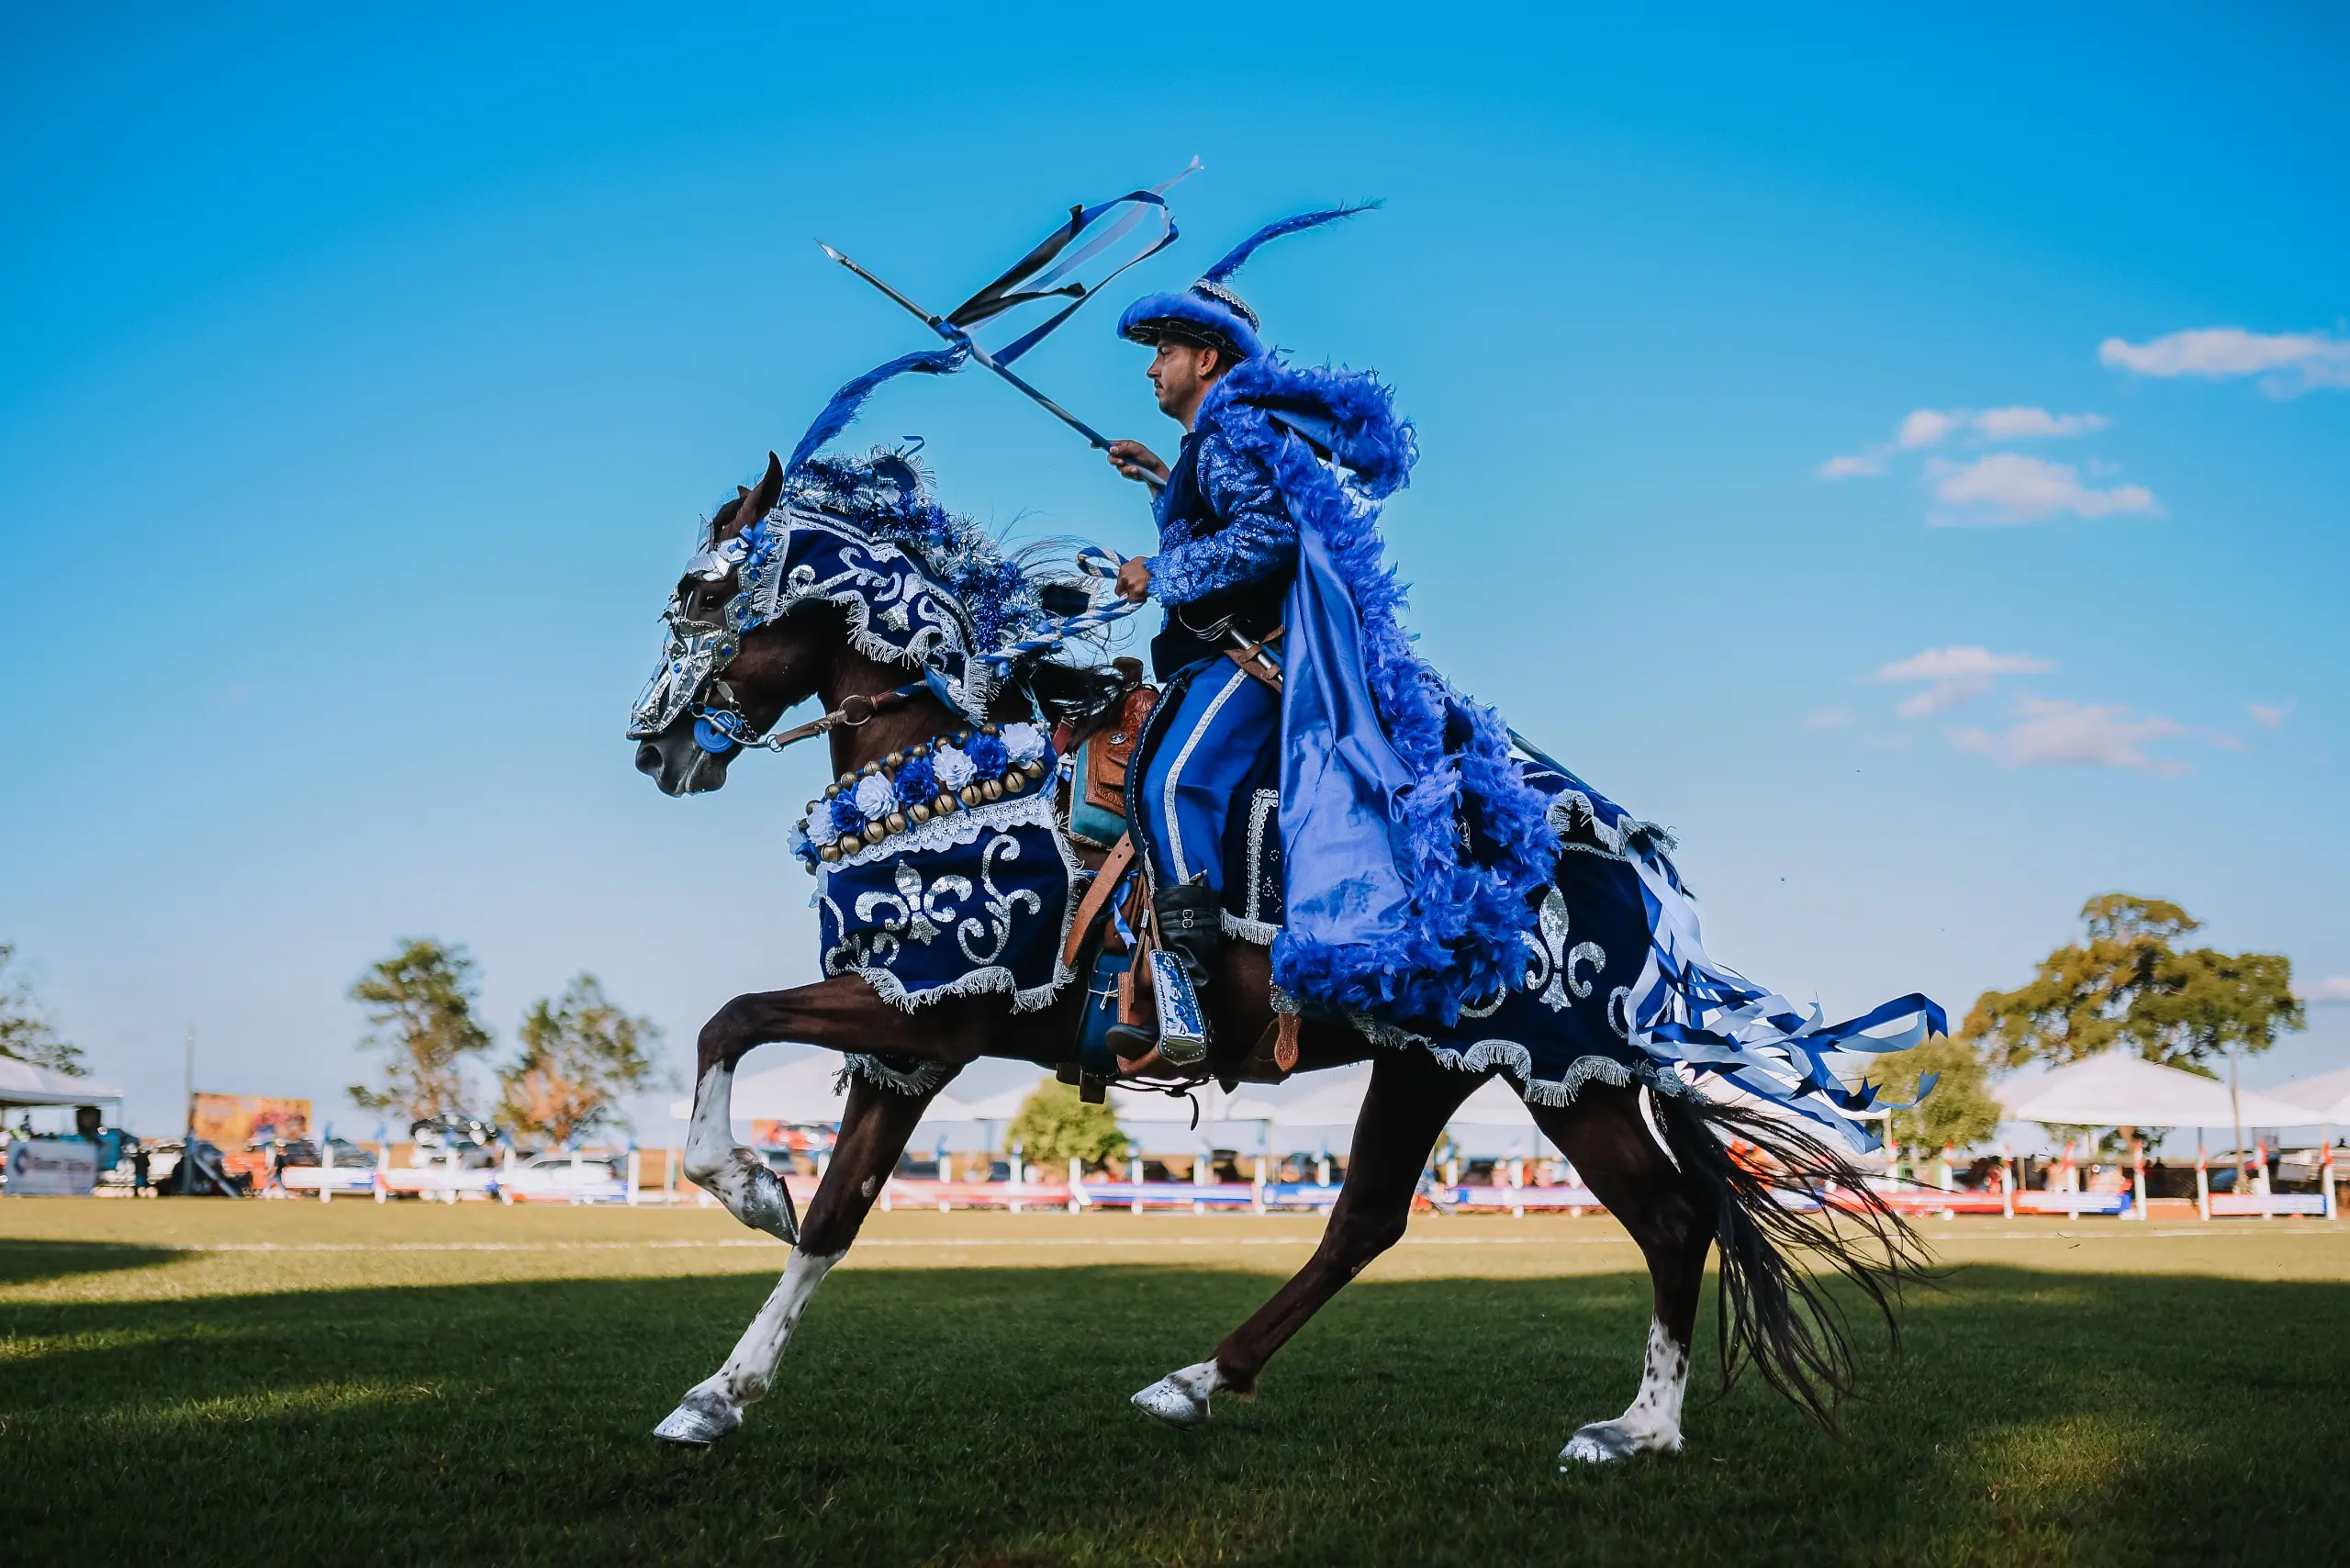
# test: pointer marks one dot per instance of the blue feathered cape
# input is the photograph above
(1413, 846)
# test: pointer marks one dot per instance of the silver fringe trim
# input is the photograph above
(988, 981)
(1260, 932)
(925, 1079)
(1518, 1062)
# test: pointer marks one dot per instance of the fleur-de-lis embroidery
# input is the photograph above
(1550, 971)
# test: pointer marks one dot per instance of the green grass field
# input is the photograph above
(207, 1382)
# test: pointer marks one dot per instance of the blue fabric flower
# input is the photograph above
(845, 817)
(917, 783)
(987, 754)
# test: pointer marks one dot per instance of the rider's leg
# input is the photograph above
(874, 1125)
(1201, 758)
(1197, 763)
(1412, 1096)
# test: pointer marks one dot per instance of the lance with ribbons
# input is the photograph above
(1047, 271)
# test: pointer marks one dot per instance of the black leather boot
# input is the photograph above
(1189, 920)
(1191, 926)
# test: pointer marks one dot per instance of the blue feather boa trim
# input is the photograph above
(1472, 847)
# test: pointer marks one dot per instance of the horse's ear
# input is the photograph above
(762, 499)
(750, 505)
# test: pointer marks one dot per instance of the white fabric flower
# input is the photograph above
(799, 842)
(875, 797)
(954, 770)
(1023, 742)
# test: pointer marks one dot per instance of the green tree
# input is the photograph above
(1055, 1127)
(26, 1031)
(580, 1054)
(2128, 985)
(1958, 1111)
(420, 1006)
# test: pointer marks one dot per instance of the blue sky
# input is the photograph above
(362, 378)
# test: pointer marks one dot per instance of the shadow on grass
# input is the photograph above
(24, 1262)
(979, 1415)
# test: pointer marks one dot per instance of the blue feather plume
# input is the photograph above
(1240, 253)
(851, 398)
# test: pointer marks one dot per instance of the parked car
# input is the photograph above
(567, 1177)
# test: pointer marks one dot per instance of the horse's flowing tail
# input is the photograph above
(1771, 1310)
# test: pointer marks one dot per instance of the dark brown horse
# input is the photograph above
(1658, 1161)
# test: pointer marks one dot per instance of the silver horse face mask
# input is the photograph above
(694, 652)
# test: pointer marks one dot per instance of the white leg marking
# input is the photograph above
(1180, 1398)
(736, 1177)
(713, 1407)
(1653, 1423)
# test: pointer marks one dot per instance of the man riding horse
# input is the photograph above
(1443, 898)
(1410, 843)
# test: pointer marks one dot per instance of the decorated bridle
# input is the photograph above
(792, 555)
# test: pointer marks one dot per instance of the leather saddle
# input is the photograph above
(1109, 940)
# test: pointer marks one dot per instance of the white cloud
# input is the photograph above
(2021, 423)
(1838, 717)
(2270, 715)
(2009, 487)
(1859, 465)
(2074, 734)
(2333, 988)
(1957, 663)
(1923, 428)
(1944, 694)
(2293, 361)
(1926, 427)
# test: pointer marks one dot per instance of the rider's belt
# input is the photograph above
(1254, 656)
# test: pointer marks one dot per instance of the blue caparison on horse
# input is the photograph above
(972, 894)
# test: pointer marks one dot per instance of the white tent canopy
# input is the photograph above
(2116, 1090)
(2326, 1097)
(1495, 1105)
(22, 1083)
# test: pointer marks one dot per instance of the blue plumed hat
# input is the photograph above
(1209, 313)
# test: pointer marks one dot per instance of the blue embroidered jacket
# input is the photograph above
(1227, 548)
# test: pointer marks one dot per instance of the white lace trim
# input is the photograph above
(1031, 807)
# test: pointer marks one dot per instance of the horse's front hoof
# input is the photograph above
(700, 1419)
(1180, 1399)
(1610, 1442)
(766, 1200)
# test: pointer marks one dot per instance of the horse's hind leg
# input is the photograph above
(1412, 1096)
(874, 1129)
(1607, 1134)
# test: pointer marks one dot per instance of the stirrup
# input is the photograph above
(1182, 1023)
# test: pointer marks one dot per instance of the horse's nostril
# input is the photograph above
(648, 758)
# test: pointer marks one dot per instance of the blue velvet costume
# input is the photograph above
(1228, 551)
